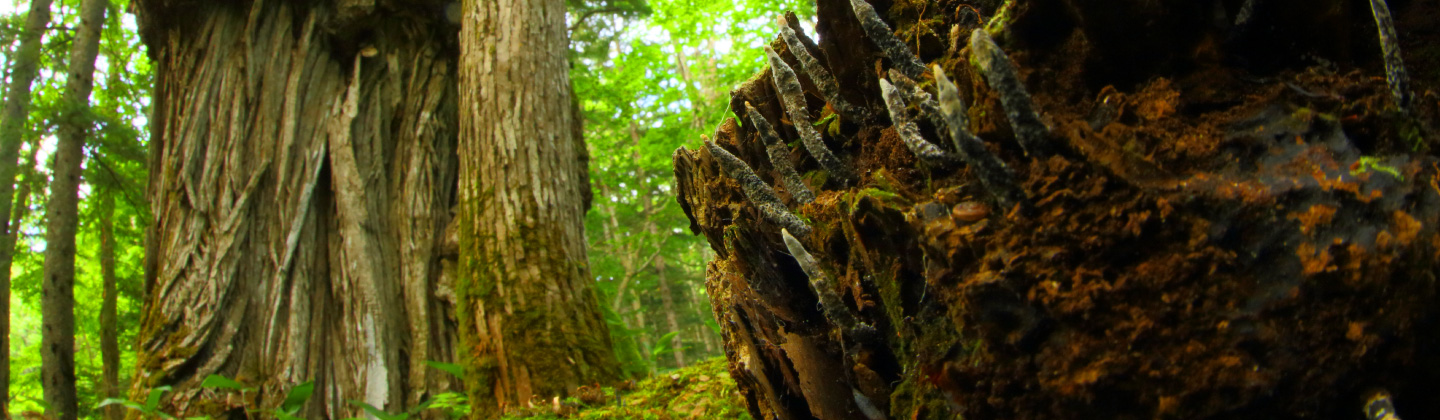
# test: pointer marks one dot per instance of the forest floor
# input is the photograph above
(701, 391)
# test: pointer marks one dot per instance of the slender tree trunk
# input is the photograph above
(12, 134)
(529, 314)
(57, 303)
(645, 345)
(302, 173)
(668, 302)
(109, 332)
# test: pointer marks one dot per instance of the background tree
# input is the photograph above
(22, 71)
(62, 216)
(529, 315)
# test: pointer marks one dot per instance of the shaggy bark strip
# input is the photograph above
(267, 267)
(530, 321)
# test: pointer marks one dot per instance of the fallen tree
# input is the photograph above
(1146, 209)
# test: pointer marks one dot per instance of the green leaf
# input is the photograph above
(663, 345)
(450, 368)
(127, 403)
(378, 413)
(297, 397)
(286, 416)
(153, 400)
(218, 381)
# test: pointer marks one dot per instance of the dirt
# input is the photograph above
(1236, 226)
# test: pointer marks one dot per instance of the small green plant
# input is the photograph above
(150, 408)
(287, 409)
(1373, 163)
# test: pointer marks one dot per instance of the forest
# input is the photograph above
(765, 209)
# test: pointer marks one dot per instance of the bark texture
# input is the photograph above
(530, 320)
(1193, 242)
(62, 217)
(302, 177)
(12, 134)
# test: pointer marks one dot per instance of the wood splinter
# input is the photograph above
(779, 157)
(791, 96)
(1379, 407)
(997, 178)
(879, 32)
(830, 303)
(913, 94)
(992, 62)
(759, 193)
(910, 133)
(1395, 72)
(825, 81)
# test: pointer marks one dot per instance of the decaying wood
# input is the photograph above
(1224, 246)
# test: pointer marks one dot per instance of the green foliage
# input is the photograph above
(1374, 163)
(149, 409)
(115, 167)
(660, 84)
(450, 368)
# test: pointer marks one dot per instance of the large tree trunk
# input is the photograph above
(530, 320)
(23, 70)
(302, 174)
(1222, 246)
(62, 217)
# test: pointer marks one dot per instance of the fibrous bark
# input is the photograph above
(302, 175)
(530, 322)
(1219, 246)
(62, 217)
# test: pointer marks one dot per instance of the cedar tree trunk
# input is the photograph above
(302, 176)
(530, 322)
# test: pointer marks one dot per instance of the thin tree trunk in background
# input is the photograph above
(109, 332)
(529, 313)
(666, 300)
(645, 345)
(57, 302)
(12, 134)
(302, 176)
(676, 341)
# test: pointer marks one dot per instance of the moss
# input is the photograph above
(702, 391)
